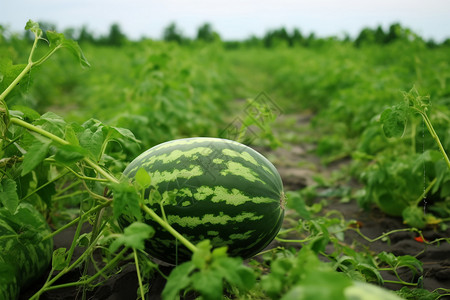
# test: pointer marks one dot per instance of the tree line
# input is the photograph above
(272, 38)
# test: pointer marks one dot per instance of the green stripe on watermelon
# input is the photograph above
(224, 191)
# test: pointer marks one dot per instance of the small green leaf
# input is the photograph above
(59, 40)
(209, 284)
(178, 280)
(393, 121)
(71, 136)
(52, 123)
(201, 257)
(410, 262)
(297, 202)
(8, 195)
(92, 140)
(28, 112)
(414, 216)
(123, 133)
(33, 27)
(134, 236)
(59, 260)
(126, 200)
(142, 178)
(35, 155)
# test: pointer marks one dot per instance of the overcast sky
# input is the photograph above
(233, 19)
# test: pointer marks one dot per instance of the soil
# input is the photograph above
(297, 166)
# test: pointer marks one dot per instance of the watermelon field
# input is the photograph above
(277, 167)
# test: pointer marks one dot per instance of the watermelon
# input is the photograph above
(219, 190)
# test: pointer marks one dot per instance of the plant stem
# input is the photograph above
(169, 228)
(294, 241)
(39, 130)
(434, 135)
(400, 282)
(384, 234)
(138, 272)
(75, 239)
(425, 192)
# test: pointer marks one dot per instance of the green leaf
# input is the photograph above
(123, 133)
(35, 155)
(410, 262)
(71, 136)
(311, 287)
(209, 284)
(234, 272)
(414, 216)
(393, 121)
(142, 178)
(92, 140)
(178, 280)
(388, 258)
(33, 27)
(126, 200)
(28, 112)
(69, 154)
(59, 40)
(8, 195)
(201, 257)
(134, 236)
(59, 260)
(297, 202)
(52, 123)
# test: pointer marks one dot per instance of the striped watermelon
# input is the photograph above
(224, 191)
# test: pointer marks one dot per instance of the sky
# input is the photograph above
(233, 19)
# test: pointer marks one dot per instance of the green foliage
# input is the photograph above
(133, 236)
(301, 276)
(207, 273)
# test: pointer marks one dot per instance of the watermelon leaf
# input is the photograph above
(178, 280)
(143, 178)
(133, 236)
(59, 260)
(68, 154)
(34, 156)
(126, 200)
(59, 40)
(393, 121)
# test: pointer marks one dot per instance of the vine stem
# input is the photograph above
(138, 272)
(434, 135)
(425, 192)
